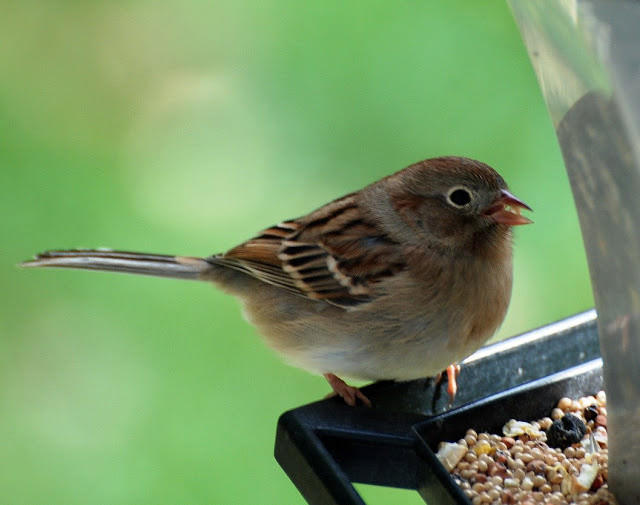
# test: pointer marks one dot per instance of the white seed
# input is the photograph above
(449, 454)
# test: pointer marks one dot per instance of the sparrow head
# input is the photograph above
(455, 201)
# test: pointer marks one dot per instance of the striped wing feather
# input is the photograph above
(332, 254)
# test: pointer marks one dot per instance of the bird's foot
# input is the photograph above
(349, 394)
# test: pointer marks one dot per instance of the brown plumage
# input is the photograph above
(395, 281)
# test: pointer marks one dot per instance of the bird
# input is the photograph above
(395, 281)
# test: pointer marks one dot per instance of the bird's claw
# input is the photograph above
(350, 394)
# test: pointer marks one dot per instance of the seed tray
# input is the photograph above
(527, 402)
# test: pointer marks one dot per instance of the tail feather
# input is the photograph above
(160, 265)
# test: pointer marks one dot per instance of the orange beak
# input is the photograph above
(506, 210)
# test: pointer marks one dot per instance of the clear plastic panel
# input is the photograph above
(586, 55)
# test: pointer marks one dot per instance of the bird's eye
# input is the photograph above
(459, 196)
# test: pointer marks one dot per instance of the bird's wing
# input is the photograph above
(333, 254)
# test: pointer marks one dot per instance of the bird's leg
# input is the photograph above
(452, 386)
(349, 394)
(452, 372)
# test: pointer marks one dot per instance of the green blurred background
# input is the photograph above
(186, 127)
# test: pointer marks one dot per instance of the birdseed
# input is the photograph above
(520, 467)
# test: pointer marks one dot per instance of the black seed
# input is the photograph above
(591, 412)
(565, 431)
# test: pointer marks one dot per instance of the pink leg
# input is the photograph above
(349, 394)
(452, 385)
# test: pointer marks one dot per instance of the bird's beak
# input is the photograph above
(506, 210)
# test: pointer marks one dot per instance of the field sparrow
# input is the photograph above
(395, 281)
